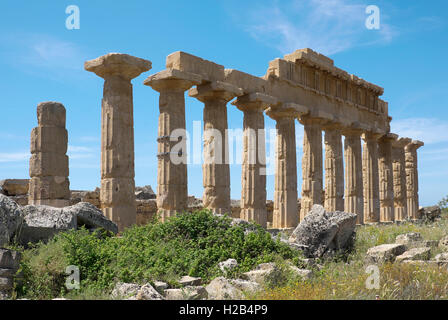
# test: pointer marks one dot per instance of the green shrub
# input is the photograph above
(190, 243)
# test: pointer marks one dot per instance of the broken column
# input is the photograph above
(285, 213)
(386, 185)
(311, 165)
(215, 169)
(334, 169)
(399, 176)
(412, 178)
(117, 134)
(370, 178)
(172, 183)
(49, 184)
(253, 175)
(354, 200)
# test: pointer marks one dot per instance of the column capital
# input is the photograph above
(215, 90)
(401, 142)
(414, 145)
(118, 64)
(255, 101)
(388, 137)
(172, 80)
(286, 110)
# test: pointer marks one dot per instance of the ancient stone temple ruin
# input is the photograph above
(368, 170)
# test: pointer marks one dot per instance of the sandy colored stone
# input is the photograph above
(49, 183)
(172, 183)
(253, 176)
(399, 176)
(117, 134)
(354, 200)
(412, 178)
(370, 179)
(385, 169)
(334, 170)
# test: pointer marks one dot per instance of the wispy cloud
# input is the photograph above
(429, 130)
(80, 152)
(328, 26)
(35, 53)
(14, 157)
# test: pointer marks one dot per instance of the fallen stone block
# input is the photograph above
(230, 289)
(187, 293)
(415, 254)
(384, 253)
(14, 187)
(190, 281)
(11, 217)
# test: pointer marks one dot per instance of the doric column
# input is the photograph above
(117, 134)
(215, 169)
(386, 177)
(311, 165)
(371, 178)
(334, 169)
(49, 184)
(285, 213)
(412, 178)
(253, 175)
(172, 183)
(354, 199)
(399, 174)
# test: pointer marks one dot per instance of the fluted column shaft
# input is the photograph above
(412, 178)
(399, 176)
(311, 166)
(253, 175)
(117, 194)
(371, 179)
(285, 195)
(334, 170)
(354, 200)
(386, 186)
(215, 169)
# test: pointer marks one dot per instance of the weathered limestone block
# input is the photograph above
(399, 176)
(384, 253)
(253, 177)
(354, 201)
(285, 193)
(415, 254)
(117, 134)
(334, 169)
(230, 289)
(49, 183)
(14, 187)
(371, 178)
(172, 190)
(187, 293)
(10, 219)
(386, 185)
(412, 178)
(311, 166)
(215, 169)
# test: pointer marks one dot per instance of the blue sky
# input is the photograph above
(41, 60)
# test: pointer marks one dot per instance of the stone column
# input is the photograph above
(172, 182)
(311, 165)
(334, 169)
(354, 200)
(386, 185)
(412, 178)
(49, 184)
(399, 176)
(285, 213)
(215, 169)
(117, 134)
(371, 178)
(253, 175)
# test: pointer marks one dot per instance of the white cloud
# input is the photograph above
(14, 157)
(80, 152)
(428, 130)
(327, 26)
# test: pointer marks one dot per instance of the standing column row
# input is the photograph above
(386, 185)
(412, 178)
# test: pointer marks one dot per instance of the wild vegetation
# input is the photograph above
(194, 244)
